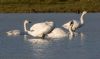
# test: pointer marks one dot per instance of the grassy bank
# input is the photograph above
(10, 6)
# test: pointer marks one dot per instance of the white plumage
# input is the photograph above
(73, 24)
(43, 27)
(57, 33)
(39, 29)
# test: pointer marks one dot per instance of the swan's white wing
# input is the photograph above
(36, 26)
(42, 28)
(36, 33)
(66, 25)
(57, 33)
(41, 25)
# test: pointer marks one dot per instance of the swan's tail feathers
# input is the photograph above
(66, 25)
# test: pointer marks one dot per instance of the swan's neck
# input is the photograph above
(25, 27)
(70, 30)
(81, 19)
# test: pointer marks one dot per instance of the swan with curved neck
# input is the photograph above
(81, 18)
(39, 29)
(74, 24)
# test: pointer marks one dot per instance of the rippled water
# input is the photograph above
(85, 45)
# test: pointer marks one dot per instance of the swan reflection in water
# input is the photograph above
(76, 34)
(57, 33)
(35, 40)
(40, 47)
(46, 39)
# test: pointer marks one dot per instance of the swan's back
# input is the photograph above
(67, 25)
(57, 33)
(42, 27)
(37, 26)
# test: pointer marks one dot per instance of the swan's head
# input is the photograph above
(84, 12)
(26, 21)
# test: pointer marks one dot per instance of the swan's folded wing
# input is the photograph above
(66, 25)
(57, 33)
(37, 26)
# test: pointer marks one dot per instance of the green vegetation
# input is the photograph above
(28, 6)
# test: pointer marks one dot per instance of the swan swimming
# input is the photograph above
(73, 24)
(13, 32)
(57, 33)
(39, 29)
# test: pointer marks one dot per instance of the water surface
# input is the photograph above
(84, 46)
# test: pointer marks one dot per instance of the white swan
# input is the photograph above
(73, 25)
(13, 32)
(57, 33)
(71, 34)
(39, 29)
